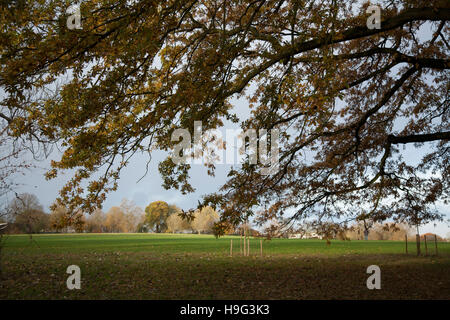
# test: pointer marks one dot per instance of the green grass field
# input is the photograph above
(164, 266)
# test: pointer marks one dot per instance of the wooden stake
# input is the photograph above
(406, 243)
(248, 246)
(260, 245)
(418, 244)
(245, 247)
(435, 243)
(426, 247)
(240, 244)
(231, 248)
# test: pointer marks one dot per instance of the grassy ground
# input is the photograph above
(137, 266)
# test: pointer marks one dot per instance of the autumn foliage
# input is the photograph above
(346, 98)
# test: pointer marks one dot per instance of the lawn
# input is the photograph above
(163, 266)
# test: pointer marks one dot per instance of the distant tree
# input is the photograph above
(78, 222)
(95, 223)
(176, 223)
(134, 215)
(58, 219)
(361, 228)
(174, 209)
(61, 219)
(431, 236)
(272, 229)
(33, 221)
(366, 222)
(156, 215)
(115, 220)
(418, 215)
(330, 230)
(27, 214)
(204, 220)
(303, 229)
(379, 231)
(142, 227)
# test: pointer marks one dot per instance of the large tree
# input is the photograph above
(345, 97)
(156, 215)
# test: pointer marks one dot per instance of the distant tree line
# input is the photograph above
(24, 214)
(379, 231)
(358, 230)
(161, 217)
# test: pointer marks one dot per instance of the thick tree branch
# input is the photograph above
(409, 15)
(418, 138)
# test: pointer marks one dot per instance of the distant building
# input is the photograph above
(184, 231)
(3, 226)
(307, 235)
(430, 236)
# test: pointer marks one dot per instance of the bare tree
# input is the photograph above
(28, 214)
(115, 220)
(204, 220)
(96, 222)
(133, 215)
(176, 223)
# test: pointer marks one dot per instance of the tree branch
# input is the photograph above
(419, 138)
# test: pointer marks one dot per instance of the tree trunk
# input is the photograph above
(435, 243)
(406, 243)
(425, 242)
(366, 234)
(240, 244)
(418, 240)
(418, 244)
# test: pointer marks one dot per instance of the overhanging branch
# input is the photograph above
(418, 138)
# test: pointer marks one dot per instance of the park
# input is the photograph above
(224, 150)
(197, 267)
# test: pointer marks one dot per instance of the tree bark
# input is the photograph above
(418, 244)
(435, 244)
(406, 243)
(425, 242)
(366, 234)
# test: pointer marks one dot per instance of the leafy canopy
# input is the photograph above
(345, 97)
(156, 214)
